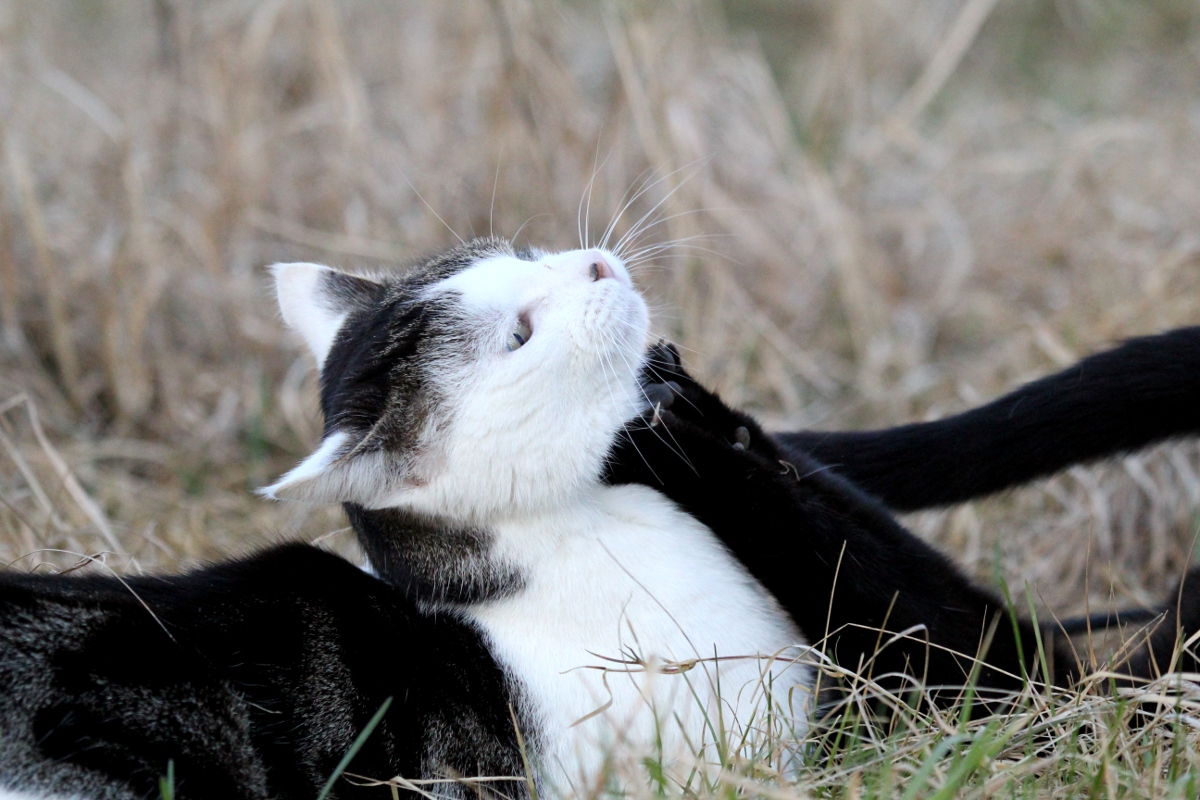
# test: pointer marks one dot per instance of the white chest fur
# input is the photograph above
(627, 577)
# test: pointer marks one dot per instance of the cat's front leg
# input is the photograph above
(835, 559)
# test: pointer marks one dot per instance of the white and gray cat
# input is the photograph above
(578, 556)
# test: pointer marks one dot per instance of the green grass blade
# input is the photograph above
(354, 748)
(916, 784)
(166, 784)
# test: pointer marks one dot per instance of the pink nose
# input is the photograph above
(598, 266)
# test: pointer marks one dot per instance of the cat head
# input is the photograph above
(484, 381)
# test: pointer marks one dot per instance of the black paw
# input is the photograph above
(663, 379)
(668, 386)
(663, 364)
(741, 438)
(660, 396)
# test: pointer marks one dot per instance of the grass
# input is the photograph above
(1138, 743)
(909, 207)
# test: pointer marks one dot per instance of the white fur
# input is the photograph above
(621, 572)
(322, 459)
(303, 307)
(526, 429)
(334, 474)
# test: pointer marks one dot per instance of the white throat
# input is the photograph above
(632, 615)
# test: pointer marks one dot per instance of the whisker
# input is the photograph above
(645, 188)
(698, 165)
(586, 226)
(609, 369)
(682, 243)
(513, 239)
(431, 208)
(708, 250)
(495, 183)
(677, 449)
(626, 201)
(662, 220)
(672, 242)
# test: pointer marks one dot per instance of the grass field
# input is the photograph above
(881, 211)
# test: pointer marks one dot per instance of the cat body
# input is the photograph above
(252, 676)
(470, 469)
(577, 554)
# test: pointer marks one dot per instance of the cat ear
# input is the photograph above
(315, 300)
(339, 471)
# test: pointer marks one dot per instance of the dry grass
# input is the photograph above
(908, 207)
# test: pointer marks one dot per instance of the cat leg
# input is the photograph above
(836, 560)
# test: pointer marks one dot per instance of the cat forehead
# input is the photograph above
(493, 282)
(437, 269)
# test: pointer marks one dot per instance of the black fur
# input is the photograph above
(864, 573)
(433, 561)
(1144, 391)
(253, 676)
(373, 382)
(1180, 620)
(861, 571)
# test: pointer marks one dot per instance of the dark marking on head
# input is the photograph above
(374, 382)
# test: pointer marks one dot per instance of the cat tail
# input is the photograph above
(1145, 391)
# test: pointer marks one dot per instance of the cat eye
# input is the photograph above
(519, 336)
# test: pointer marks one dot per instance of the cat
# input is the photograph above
(878, 575)
(571, 544)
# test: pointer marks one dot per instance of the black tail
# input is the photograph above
(1145, 391)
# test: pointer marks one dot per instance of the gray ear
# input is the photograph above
(337, 472)
(315, 300)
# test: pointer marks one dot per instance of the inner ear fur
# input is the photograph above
(340, 470)
(315, 300)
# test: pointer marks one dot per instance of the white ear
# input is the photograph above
(315, 300)
(334, 473)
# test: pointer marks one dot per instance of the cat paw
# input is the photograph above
(664, 364)
(741, 437)
(660, 396)
(662, 379)
(668, 386)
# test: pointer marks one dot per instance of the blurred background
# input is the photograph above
(869, 212)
